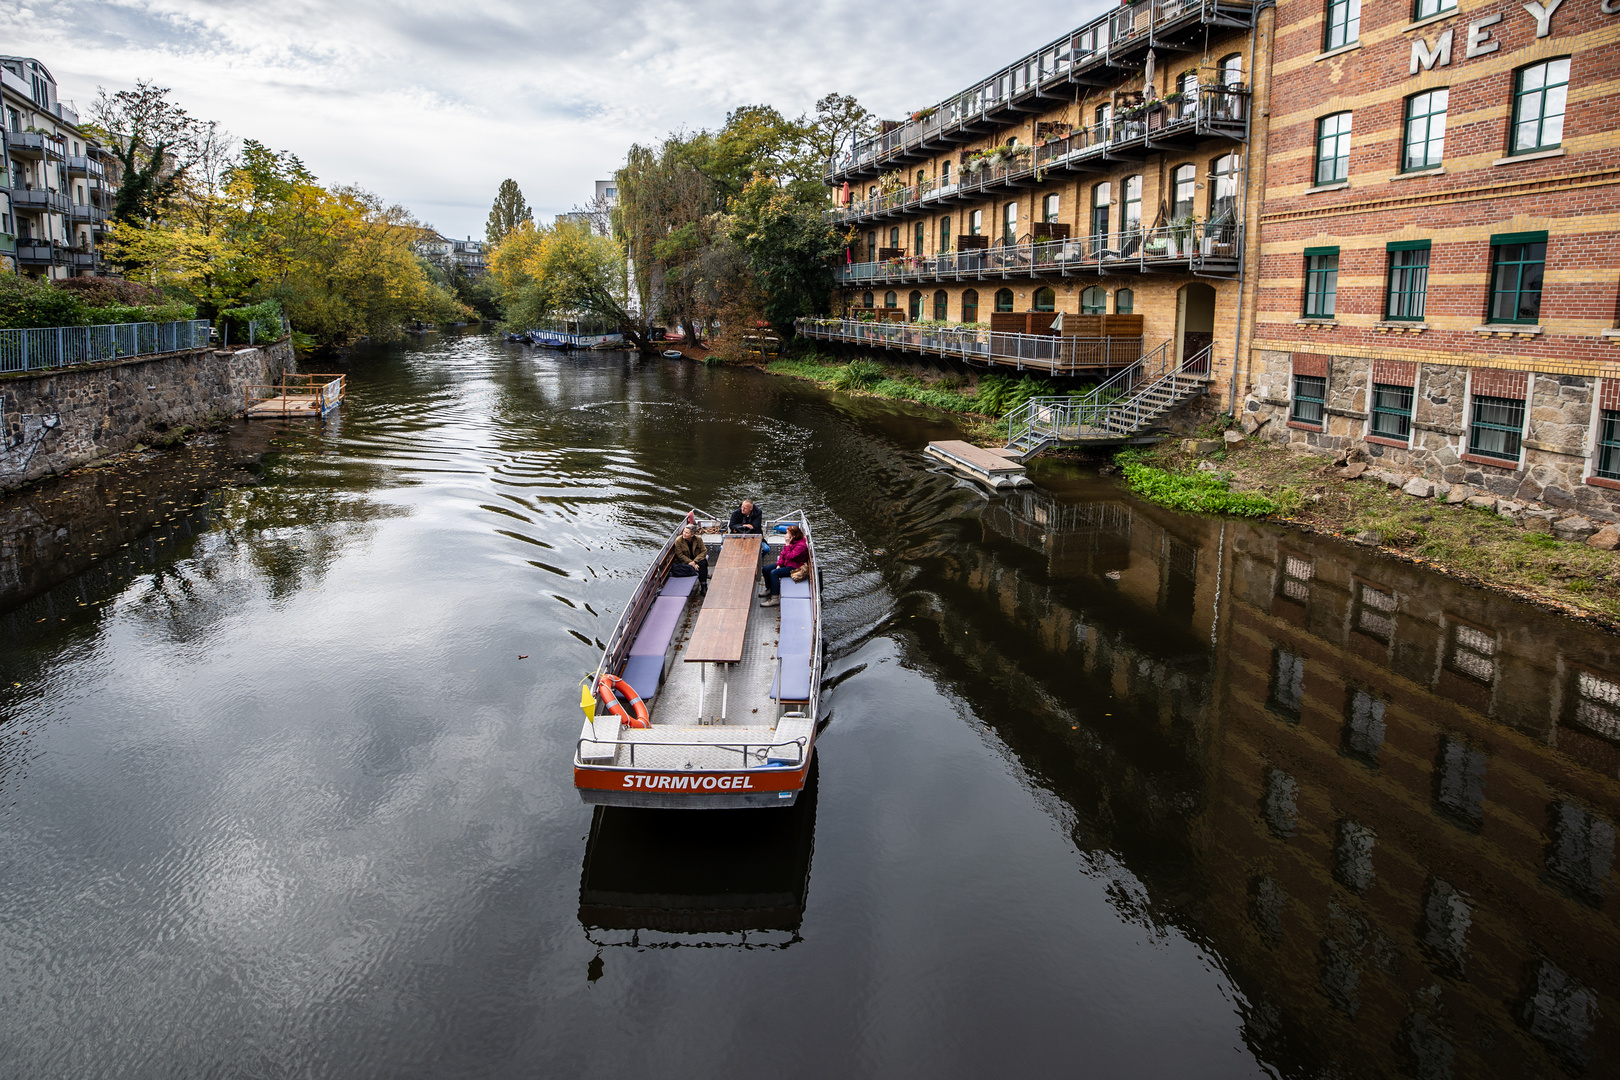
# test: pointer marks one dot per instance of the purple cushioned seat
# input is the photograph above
(658, 627)
(679, 586)
(799, 590)
(643, 673)
(794, 640)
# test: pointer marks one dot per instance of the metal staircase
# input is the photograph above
(1119, 410)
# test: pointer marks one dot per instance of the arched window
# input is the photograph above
(1045, 300)
(944, 234)
(1124, 301)
(871, 192)
(944, 174)
(975, 222)
(1223, 191)
(1101, 195)
(894, 237)
(871, 246)
(1049, 207)
(1232, 69)
(942, 306)
(1130, 216)
(922, 177)
(970, 306)
(920, 241)
(1105, 116)
(1004, 300)
(1009, 223)
(914, 309)
(1094, 301)
(890, 300)
(866, 299)
(1183, 181)
(1189, 94)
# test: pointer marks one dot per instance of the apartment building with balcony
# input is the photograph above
(1439, 250)
(1104, 174)
(59, 184)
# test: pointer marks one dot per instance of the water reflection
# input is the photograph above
(1387, 800)
(658, 878)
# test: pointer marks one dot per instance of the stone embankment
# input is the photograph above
(54, 421)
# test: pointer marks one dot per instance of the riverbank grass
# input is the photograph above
(1474, 544)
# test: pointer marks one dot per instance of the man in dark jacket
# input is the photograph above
(746, 519)
(691, 557)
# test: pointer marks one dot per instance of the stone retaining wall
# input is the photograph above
(53, 421)
(1559, 435)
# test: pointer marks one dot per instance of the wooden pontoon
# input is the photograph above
(296, 397)
(731, 687)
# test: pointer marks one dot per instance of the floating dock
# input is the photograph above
(296, 397)
(998, 469)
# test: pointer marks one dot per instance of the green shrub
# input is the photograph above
(171, 311)
(256, 322)
(27, 302)
(859, 375)
(999, 394)
(1199, 493)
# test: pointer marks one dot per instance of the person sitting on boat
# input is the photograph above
(746, 519)
(691, 557)
(795, 554)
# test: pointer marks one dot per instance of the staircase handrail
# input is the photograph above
(1114, 405)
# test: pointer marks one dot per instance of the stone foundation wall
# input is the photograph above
(53, 421)
(1559, 438)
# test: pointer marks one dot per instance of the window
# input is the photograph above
(1310, 392)
(894, 237)
(1009, 223)
(975, 222)
(1581, 853)
(1425, 129)
(1105, 116)
(914, 305)
(1280, 803)
(1287, 683)
(1223, 199)
(1352, 856)
(1392, 411)
(970, 306)
(922, 178)
(1321, 282)
(920, 239)
(866, 299)
(1101, 195)
(1295, 580)
(1408, 280)
(944, 174)
(1183, 182)
(1375, 611)
(1343, 23)
(890, 300)
(1004, 300)
(1130, 219)
(871, 247)
(1517, 263)
(1446, 917)
(1538, 106)
(1045, 300)
(1597, 705)
(1459, 781)
(942, 305)
(1124, 302)
(1608, 458)
(1472, 653)
(944, 235)
(1094, 301)
(1333, 148)
(1049, 207)
(1495, 427)
(1426, 8)
(1560, 1012)
(1364, 727)
(1232, 70)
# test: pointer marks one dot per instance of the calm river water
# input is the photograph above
(1104, 790)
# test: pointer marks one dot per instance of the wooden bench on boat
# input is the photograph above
(722, 622)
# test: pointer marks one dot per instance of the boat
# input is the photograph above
(706, 700)
(673, 354)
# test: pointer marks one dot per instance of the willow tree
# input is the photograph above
(667, 218)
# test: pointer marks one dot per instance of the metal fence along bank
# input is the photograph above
(69, 346)
(1044, 352)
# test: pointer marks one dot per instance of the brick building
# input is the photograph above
(1439, 249)
(1105, 174)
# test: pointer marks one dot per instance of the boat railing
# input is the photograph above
(760, 751)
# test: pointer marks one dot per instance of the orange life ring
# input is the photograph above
(605, 689)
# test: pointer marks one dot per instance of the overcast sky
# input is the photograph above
(431, 103)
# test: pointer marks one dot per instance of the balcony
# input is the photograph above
(86, 166)
(1093, 55)
(1157, 127)
(33, 145)
(34, 200)
(37, 253)
(81, 260)
(1202, 248)
(87, 212)
(1057, 354)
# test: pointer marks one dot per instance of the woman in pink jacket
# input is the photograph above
(795, 553)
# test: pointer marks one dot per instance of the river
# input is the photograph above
(1104, 790)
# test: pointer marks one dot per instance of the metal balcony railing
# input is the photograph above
(38, 252)
(67, 346)
(1197, 247)
(86, 166)
(1111, 40)
(1118, 408)
(1213, 111)
(1057, 354)
(35, 200)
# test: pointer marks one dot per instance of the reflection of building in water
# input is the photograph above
(1396, 794)
(736, 873)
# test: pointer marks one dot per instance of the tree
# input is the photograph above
(565, 271)
(155, 142)
(508, 211)
(791, 248)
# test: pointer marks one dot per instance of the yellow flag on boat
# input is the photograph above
(587, 700)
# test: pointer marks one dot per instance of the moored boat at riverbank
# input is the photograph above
(705, 699)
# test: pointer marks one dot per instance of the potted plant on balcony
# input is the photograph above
(923, 114)
(1181, 234)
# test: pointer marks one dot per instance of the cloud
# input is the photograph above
(433, 103)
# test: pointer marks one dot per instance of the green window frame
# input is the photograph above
(1333, 148)
(944, 234)
(1321, 282)
(1183, 184)
(1608, 456)
(1425, 143)
(891, 299)
(1408, 292)
(1310, 399)
(1343, 24)
(1101, 197)
(1094, 301)
(1392, 411)
(942, 305)
(1049, 207)
(1423, 9)
(1009, 223)
(1124, 302)
(1004, 299)
(914, 305)
(1130, 220)
(1043, 300)
(920, 242)
(1518, 266)
(1540, 93)
(1495, 427)
(970, 306)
